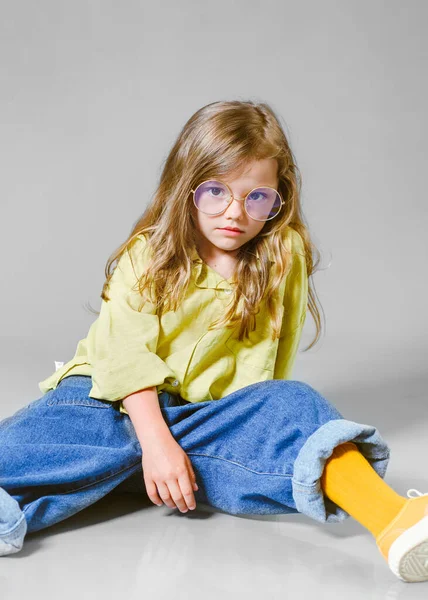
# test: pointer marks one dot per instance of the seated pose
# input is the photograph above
(182, 388)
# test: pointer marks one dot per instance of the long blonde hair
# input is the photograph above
(220, 138)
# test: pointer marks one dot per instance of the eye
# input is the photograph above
(257, 196)
(215, 191)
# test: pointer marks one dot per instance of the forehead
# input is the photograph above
(254, 172)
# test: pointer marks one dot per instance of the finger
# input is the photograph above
(192, 474)
(185, 483)
(165, 494)
(176, 494)
(152, 492)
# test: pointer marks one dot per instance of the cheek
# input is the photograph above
(199, 222)
(204, 222)
(256, 228)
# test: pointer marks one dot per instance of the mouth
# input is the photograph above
(231, 229)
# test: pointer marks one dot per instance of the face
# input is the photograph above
(212, 241)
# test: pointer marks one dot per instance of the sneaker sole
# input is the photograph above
(408, 554)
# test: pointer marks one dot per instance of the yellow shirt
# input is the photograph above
(126, 351)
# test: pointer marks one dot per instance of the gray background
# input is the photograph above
(93, 94)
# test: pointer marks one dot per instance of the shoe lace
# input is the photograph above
(416, 492)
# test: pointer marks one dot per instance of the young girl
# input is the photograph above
(182, 385)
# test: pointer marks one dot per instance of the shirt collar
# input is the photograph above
(206, 277)
(195, 256)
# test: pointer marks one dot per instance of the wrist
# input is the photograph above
(153, 432)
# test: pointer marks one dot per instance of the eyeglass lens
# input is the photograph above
(213, 197)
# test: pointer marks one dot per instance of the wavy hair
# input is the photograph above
(220, 138)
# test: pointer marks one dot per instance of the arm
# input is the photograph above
(167, 470)
(125, 366)
(146, 416)
(122, 342)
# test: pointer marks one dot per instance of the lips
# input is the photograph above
(231, 229)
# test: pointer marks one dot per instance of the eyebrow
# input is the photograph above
(254, 186)
(259, 185)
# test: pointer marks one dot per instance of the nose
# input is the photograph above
(236, 208)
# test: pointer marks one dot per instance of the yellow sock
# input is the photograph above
(350, 481)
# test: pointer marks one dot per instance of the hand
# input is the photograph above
(168, 473)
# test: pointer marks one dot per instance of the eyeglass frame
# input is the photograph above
(232, 198)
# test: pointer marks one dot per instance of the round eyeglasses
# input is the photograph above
(212, 197)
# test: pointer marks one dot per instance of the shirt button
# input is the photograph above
(175, 382)
(227, 291)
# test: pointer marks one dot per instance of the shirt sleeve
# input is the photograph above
(295, 309)
(122, 347)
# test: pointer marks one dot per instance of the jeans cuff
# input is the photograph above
(13, 525)
(310, 461)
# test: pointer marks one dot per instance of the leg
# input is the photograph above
(349, 480)
(398, 524)
(60, 454)
(262, 449)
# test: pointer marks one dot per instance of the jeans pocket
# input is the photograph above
(168, 400)
(75, 396)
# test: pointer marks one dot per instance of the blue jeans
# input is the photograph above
(259, 450)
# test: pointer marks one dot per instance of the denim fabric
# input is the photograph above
(259, 450)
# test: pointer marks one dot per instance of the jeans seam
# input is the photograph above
(90, 484)
(58, 402)
(233, 462)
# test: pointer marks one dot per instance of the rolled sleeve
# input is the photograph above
(295, 309)
(122, 347)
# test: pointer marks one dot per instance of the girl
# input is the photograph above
(182, 387)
